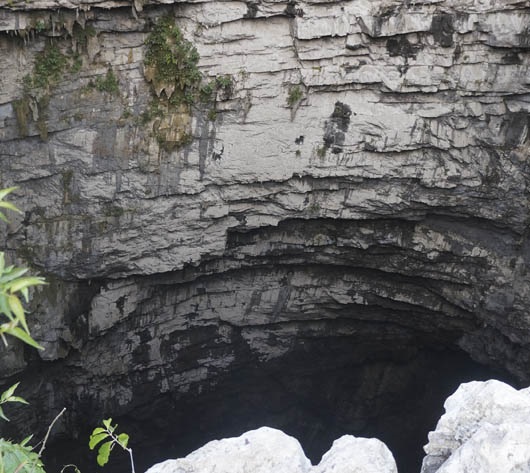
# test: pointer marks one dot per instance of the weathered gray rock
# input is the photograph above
(485, 429)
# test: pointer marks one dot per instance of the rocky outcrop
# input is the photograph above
(267, 450)
(335, 208)
(485, 429)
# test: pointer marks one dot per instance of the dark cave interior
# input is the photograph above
(317, 393)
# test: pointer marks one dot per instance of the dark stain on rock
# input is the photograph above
(341, 115)
(299, 140)
(515, 128)
(216, 156)
(120, 303)
(457, 52)
(292, 10)
(336, 127)
(512, 58)
(401, 46)
(524, 38)
(252, 10)
(442, 29)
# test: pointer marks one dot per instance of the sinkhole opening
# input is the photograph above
(317, 392)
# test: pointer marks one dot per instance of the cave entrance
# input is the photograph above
(317, 399)
(316, 393)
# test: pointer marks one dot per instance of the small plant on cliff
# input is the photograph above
(109, 83)
(294, 96)
(49, 67)
(110, 439)
(13, 285)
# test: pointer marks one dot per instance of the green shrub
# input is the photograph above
(19, 458)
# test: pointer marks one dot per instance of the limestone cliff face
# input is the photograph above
(353, 190)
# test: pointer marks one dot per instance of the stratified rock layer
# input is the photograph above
(355, 205)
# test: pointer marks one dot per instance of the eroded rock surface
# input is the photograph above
(353, 203)
(485, 429)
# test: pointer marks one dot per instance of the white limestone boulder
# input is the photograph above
(264, 450)
(351, 454)
(486, 428)
(268, 450)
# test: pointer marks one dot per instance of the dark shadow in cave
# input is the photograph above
(317, 393)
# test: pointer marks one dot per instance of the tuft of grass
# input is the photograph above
(109, 83)
(294, 96)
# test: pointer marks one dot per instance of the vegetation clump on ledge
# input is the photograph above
(171, 67)
(48, 69)
(171, 63)
(108, 83)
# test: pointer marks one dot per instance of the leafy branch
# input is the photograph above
(13, 285)
(8, 396)
(106, 435)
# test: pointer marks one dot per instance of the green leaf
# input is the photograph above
(104, 452)
(108, 424)
(2, 415)
(16, 306)
(9, 206)
(12, 273)
(2, 262)
(4, 192)
(4, 307)
(25, 337)
(21, 400)
(25, 293)
(95, 438)
(24, 283)
(3, 218)
(98, 430)
(8, 392)
(123, 439)
(26, 440)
